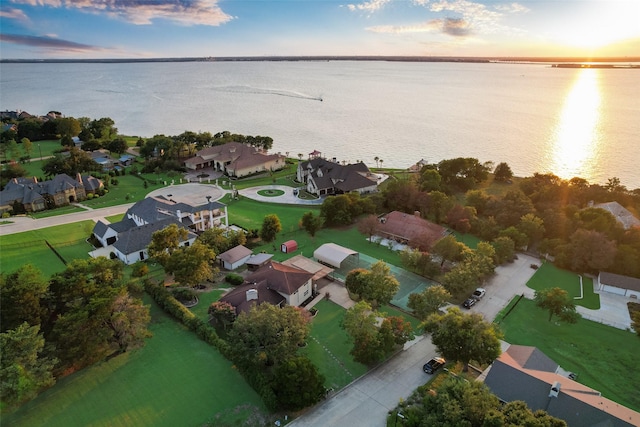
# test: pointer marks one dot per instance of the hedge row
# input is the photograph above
(256, 379)
(172, 306)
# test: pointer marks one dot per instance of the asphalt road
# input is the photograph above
(367, 400)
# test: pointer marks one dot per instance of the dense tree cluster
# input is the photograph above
(376, 286)
(464, 337)
(265, 345)
(373, 340)
(457, 402)
(540, 213)
(53, 327)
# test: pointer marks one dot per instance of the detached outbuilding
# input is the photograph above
(235, 257)
(619, 285)
(289, 246)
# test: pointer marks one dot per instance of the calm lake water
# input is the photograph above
(571, 122)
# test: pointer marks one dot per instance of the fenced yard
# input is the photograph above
(605, 358)
(68, 240)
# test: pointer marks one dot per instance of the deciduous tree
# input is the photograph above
(464, 337)
(428, 301)
(267, 335)
(557, 301)
(502, 172)
(298, 384)
(369, 226)
(164, 242)
(192, 265)
(311, 223)
(270, 228)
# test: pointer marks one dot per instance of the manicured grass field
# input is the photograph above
(329, 346)
(205, 300)
(175, 380)
(128, 186)
(550, 276)
(604, 358)
(29, 247)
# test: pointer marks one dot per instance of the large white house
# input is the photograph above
(129, 238)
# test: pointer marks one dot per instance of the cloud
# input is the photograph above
(50, 43)
(143, 12)
(368, 6)
(512, 8)
(16, 14)
(456, 27)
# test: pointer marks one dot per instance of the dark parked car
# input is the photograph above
(469, 303)
(433, 365)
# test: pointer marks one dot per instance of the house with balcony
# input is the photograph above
(128, 239)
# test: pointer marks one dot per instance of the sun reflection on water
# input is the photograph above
(575, 144)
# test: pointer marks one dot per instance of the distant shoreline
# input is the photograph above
(561, 62)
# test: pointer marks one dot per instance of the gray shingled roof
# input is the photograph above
(100, 228)
(509, 384)
(138, 238)
(532, 358)
(619, 281)
(238, 296)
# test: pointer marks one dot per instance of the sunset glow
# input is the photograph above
(576, 139)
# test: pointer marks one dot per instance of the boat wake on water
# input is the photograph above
(260, 91)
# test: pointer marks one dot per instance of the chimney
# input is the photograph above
(252, 294)
(416, 213)
(555, 389)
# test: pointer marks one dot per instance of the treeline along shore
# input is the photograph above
(563, 62)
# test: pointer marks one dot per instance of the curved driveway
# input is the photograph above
(287, 198)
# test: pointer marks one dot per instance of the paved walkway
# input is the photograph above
(288, 197)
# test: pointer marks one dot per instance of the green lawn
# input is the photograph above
(129, 189)
(549, 276)
(175, 380)
(62, 210)
(604, 358)
(205, 299)
(29, 247)
(392, 311)
(329, 346)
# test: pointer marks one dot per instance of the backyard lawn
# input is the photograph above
(30, 247)
(605, 358)
(175, 380)
(329, 347)
(550, 276)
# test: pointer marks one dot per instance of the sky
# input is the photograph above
(93, 29)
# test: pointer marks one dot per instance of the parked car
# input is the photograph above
(433, 365)
(470, 302)
(478, 293)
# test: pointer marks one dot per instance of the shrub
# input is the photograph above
(234, 279)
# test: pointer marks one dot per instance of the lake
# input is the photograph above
(570, 122)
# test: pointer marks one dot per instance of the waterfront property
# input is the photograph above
(236, 160)
(325, 177)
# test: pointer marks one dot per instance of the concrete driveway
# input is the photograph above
(287, 198)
